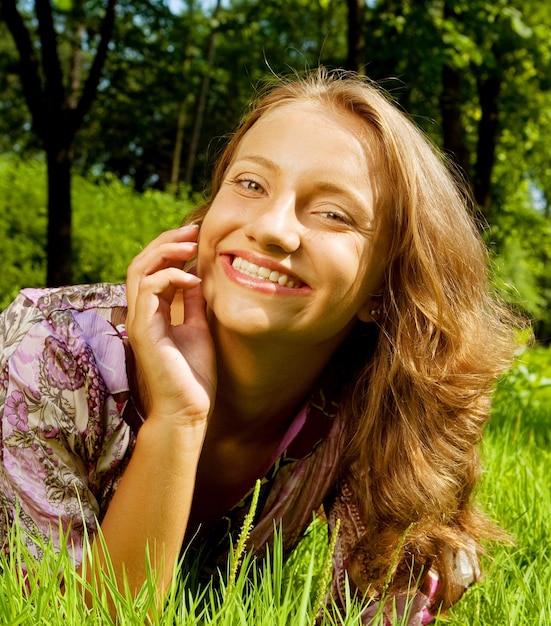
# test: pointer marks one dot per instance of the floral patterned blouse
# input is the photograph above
(69, 426)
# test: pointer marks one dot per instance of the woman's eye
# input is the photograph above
(249, 185)
(335, 217)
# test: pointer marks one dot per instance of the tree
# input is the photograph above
(58, 101)
(477, 76)
(257, 39)
(355, 36)
(141, 126)
(203, 93)
(457, 64)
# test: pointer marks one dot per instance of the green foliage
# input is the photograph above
(22, 226)
(158, 59)
(523, 397)
(112, 223)
(520, 241)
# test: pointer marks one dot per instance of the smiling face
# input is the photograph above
(290, 247)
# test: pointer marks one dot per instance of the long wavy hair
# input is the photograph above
(419, 402)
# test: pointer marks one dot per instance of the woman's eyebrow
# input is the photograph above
(259, 160)
(334, 188)
(348, 193)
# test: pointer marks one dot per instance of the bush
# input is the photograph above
(111, 224)
(22, 226)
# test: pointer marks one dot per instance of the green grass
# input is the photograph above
(516, 588)
(516, 491)
(517, 585)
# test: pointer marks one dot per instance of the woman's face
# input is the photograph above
(291, 248)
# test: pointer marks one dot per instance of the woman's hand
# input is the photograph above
(176, 364)
(176, 361)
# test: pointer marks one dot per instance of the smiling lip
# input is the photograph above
(268, 275)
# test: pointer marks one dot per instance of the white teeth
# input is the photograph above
(251, 269)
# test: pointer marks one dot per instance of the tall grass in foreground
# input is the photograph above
(271, 594)
(516, 588)
(516, 491)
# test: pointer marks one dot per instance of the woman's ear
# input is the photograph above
(372, 310)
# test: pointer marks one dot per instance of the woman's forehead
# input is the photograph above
(309, 122)
(315, 110)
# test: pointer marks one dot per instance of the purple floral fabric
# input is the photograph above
(63, 385)
(67, 433)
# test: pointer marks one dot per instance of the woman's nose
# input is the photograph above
(277, 225)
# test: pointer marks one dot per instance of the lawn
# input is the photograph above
(517, 492)
(516, 588)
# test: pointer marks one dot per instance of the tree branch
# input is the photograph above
(51, 66)
(28, 63)
(91, 86)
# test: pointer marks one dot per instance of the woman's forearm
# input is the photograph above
(151, 507)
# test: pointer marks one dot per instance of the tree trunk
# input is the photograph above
(178, 145)
(58, 249)
(182, 108)
(56, 113)
(488, 133)
(453, 132)
(355, 36)
(202, 101)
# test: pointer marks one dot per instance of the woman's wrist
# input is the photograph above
(163, 434)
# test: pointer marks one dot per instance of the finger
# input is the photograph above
(177, 235)
(144, 262)
(195, 307)
(185, 233)
(157, 258)
(154, 293)
(161, 256)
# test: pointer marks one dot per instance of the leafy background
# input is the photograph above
(112, 223)
(474, 74)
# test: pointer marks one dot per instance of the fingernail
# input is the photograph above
(194, 279)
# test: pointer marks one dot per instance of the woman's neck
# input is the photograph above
(262, 383)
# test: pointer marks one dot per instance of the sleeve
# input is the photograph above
(412, 609)
(55, 428)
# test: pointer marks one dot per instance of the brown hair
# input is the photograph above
(419, 404)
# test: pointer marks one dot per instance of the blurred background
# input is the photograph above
(112, 111)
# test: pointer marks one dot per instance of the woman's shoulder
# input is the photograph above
(34, 304)
(64, 437)
(71, 319)
(77, 297)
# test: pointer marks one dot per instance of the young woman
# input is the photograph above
(323, 323)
